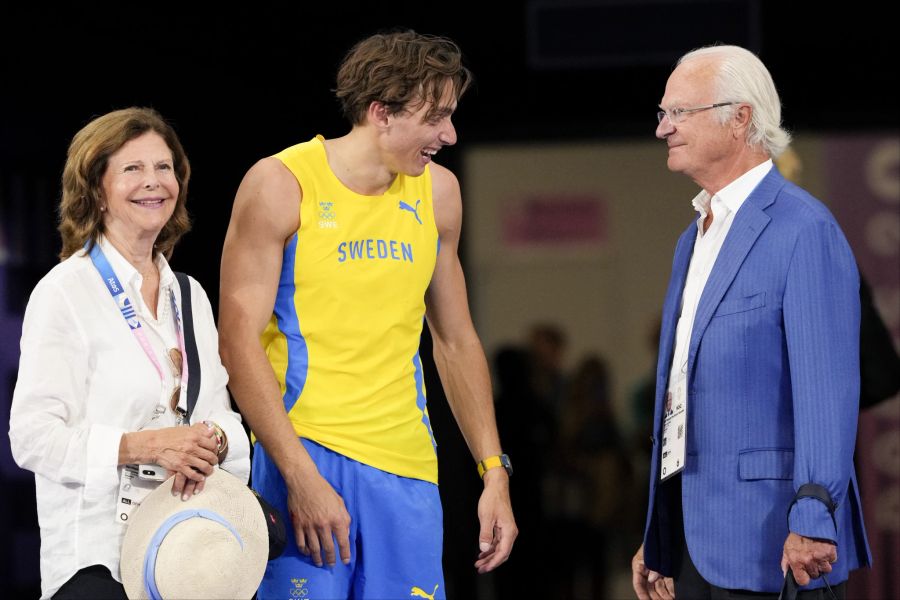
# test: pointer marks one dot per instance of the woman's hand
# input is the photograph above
(187, 452)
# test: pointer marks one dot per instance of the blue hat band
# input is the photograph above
(163, 531)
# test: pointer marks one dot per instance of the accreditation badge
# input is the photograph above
(132, 491)
(674, 431)
(136, 481)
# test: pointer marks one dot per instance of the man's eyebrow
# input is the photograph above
(442, 112)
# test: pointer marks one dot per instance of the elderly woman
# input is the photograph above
(100, 411)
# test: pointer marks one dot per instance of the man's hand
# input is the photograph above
(498, 527)
(808, 558)
(317, 512)
(647, 584)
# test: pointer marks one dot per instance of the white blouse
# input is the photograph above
(83, 382)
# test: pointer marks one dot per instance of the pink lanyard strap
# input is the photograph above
(128, 313)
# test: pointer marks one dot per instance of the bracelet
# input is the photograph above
(221, 438)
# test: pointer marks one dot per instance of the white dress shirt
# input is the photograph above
(83, 382)
(724, 205)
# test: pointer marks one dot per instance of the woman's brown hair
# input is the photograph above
(80, 215)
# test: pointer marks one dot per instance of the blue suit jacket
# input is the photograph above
(773, 396)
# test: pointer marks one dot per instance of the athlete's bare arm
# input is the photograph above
(266, 214)
(463, 369)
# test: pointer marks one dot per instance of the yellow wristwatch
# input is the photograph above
(495, 461)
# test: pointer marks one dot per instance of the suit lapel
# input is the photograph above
(747, 226)
(672, 304)
(670, 314)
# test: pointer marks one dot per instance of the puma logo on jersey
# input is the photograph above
(414, 211)
(420, 593)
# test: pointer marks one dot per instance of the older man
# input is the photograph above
(757, 382)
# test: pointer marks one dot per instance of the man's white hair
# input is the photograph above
(742, 77)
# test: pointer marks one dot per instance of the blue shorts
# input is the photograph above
(396, 534)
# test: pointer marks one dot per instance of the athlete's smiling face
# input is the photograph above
(415, 134)
(139, 188)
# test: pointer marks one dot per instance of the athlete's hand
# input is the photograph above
(498, 526)
(317, 513)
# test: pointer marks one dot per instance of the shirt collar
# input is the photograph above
(126, 272)
(733, 194)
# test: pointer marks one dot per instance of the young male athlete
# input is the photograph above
(336, 250)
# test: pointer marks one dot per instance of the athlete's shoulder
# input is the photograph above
(447, 200)
(444, 184)
(269, 197)
(270, 175)
(302, 151)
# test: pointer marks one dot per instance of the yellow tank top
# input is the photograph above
(344, 336)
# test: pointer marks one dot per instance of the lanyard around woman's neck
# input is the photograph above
(127, 308)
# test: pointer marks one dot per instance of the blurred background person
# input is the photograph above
(596, 483)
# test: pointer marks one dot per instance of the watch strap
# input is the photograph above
(492, 462)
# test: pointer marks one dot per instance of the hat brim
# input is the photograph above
(213, 545)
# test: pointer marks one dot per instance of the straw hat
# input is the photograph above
(214, 545)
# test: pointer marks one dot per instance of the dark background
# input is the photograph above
(242, 83)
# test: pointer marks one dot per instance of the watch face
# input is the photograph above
(504, 460)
